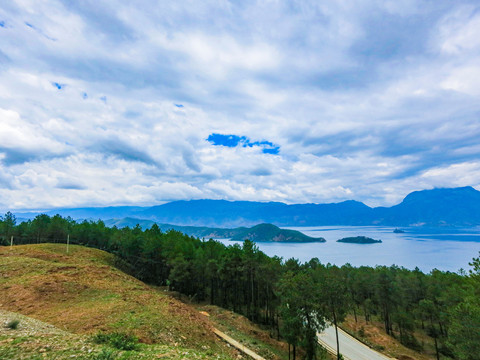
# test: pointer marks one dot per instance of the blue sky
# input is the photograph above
(122, 102)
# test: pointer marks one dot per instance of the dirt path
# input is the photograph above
(237, 345)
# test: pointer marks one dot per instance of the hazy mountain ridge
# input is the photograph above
(437, 207)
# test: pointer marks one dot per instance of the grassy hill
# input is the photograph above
(83, 294)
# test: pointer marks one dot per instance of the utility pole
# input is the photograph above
(68, 241)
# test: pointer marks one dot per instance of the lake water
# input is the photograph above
(426, 248)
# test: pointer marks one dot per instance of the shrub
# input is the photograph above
(411, 342)
(106, 354)
(361, 332)
(322, 353)
(13, 324)
(117, 340)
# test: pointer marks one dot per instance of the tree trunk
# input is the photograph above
(365, 313)
(278, 328)
(212, 296)
(253, 298)
(336, 334)
(388, 326)
(441, 328)
(235, 294)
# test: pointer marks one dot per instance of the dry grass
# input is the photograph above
(82, 293)
(375, 334)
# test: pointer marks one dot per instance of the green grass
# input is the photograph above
(120, 341)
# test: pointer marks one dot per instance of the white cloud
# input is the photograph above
(352, 119)
(461, 174)
(463, 80)
(20, 135)
(459, 31)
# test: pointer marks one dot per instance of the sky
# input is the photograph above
(107, 103)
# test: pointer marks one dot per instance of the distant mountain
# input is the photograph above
(223, 213)
(258, 233)
(88, 212)
(437, 207)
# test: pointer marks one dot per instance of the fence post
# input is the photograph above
(11, 242)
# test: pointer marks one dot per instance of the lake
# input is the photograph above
(448, 249)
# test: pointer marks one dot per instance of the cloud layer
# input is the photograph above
(109, 103)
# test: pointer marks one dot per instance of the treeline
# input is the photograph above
(295, 300)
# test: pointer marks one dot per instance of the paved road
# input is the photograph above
(350, 348)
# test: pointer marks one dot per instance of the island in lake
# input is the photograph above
(359, 240)
(398, 231)
(269, 232)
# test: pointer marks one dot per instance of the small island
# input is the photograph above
(398, 231)
(359, 240)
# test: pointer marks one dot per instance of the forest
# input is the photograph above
(295, 300)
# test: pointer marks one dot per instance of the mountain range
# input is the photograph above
(436, 207)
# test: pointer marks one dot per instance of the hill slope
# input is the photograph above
(81, 292)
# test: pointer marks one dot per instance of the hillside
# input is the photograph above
(436, 207)
(82, 293)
